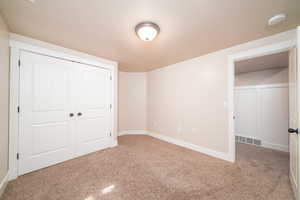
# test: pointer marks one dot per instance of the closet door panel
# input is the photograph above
(93, 109)
(50, 90)
(45, 136)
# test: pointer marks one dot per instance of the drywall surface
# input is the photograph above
(132, 101)
(188, 100)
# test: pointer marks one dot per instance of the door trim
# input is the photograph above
(252, 53)
(262, 51)
(51, 50)
(298, 99)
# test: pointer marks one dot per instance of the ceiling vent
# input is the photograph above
(276, 19)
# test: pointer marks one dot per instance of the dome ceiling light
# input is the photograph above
(147, 31)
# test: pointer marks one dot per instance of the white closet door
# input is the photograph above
(45, 136)
(92, 94)
(50, 90)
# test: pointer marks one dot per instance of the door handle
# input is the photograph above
(291, 130)
(79, 114)
(71, 114)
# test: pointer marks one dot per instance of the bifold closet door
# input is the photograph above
(92, 97)
(65, 110)
(45, 134)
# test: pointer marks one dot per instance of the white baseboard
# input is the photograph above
(114, 143)
(181, 143)
(133, 132)
(204, 150)
(277, 147)
(3, 183)
(13, 174)
(216, 154)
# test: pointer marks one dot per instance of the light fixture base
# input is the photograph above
(147, 31)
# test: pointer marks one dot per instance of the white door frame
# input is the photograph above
(16, 47)
(252, 53)
(298, 99)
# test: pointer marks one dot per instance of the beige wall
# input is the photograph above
(264, 77)
(187, 100)
(4, 98)
(132, 101)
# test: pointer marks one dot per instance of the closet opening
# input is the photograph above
(264, 108)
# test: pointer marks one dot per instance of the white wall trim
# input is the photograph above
(133, 132)
(277, 147)
(37, 46)
(204, 150)
(297, 191)
(252, 53)
(13, 113)
(3, 183)
(265, 144)
(56, 54)
(279, 85)
(114, 143)
(178, 142)
(61, 53)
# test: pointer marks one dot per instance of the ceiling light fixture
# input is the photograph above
(276, 19)
(147, 31)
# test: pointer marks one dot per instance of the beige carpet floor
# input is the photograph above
(144, 168)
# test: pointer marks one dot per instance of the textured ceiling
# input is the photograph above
(105, 28)
(262, 63)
